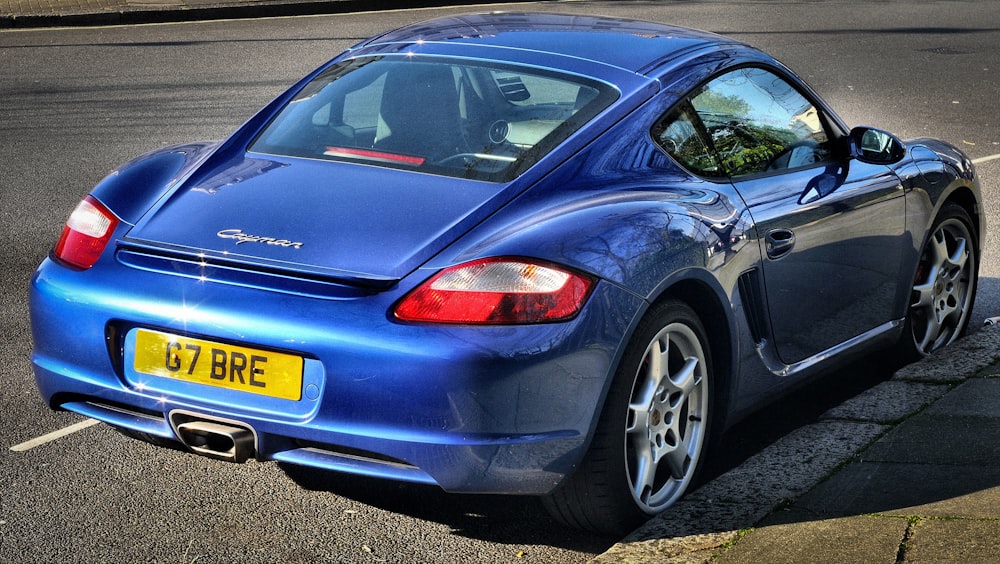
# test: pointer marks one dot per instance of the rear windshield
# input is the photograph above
(464, 119)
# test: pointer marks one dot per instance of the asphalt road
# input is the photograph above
(74, 103)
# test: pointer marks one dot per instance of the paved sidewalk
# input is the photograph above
(908, 471)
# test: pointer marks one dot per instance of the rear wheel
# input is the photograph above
(648, 446)
(943, 287)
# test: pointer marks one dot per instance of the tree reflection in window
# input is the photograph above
(757, 123)
(678, 135)
(748, 121)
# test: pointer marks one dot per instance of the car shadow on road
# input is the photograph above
(515, 520)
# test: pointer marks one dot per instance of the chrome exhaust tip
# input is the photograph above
(217, 440)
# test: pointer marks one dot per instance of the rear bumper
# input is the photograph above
(471, 409)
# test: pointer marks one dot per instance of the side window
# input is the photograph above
(758, 123)
(678, 134)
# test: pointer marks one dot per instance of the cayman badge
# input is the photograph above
(242, 237)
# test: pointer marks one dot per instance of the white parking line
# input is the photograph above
(54, 435)
(985, 159)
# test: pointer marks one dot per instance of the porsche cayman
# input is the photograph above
(529, 254)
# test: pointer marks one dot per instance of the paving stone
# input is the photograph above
(977, 397)
(906, 490)
(849, 539)
(954, 540)
(938, 437)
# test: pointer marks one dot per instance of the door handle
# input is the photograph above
(779, 242)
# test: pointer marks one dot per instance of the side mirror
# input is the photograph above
(875, 146)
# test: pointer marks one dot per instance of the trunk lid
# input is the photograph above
(361, 224)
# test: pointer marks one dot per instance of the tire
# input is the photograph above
(648, 445)
(944, 286)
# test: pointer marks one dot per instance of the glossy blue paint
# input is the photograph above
(338, 206)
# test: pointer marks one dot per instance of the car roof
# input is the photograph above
(631, 45)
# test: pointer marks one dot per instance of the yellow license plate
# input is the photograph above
(215, 364)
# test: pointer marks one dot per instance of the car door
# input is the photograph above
(831, 263)
(831, 229)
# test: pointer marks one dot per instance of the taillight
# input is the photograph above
(86, 234)
(497, 291)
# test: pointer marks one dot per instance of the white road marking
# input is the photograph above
(985, 159)
(47, 438)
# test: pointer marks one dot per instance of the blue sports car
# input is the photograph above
(510, 253)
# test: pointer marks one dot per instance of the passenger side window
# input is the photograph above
(759, 123)
(745, 122)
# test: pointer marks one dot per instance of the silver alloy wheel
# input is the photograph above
(943, 288)
(667, 418)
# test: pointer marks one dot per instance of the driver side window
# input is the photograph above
(757, 123)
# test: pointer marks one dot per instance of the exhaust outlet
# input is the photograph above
(217, 440)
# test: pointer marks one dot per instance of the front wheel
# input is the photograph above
(648, 445)
(944, 285)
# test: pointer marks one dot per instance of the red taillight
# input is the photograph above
(497, 291)
(86, 234)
